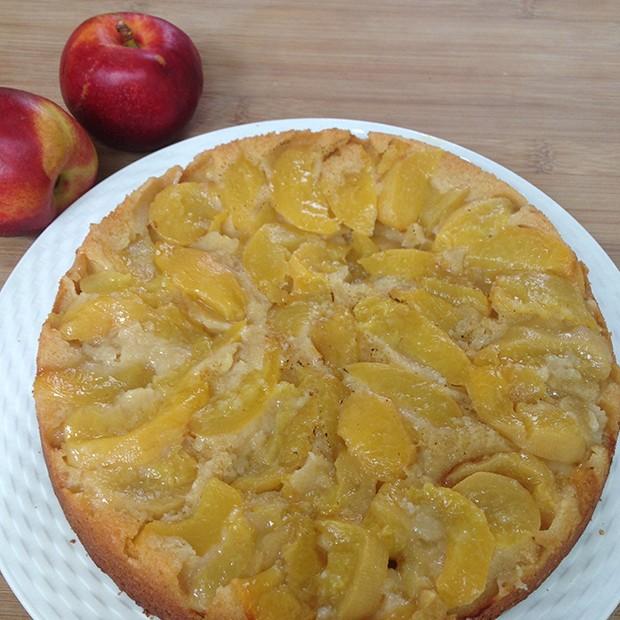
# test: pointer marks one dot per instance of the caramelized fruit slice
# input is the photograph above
(457, 294)
(586, 350)
(235, 409)
(407, 189)
(273, 528)
(511, 512)
(302, 560)
(107, 281)
(405, 263)
(439, 209)
(100, 420)
(157, 487)
(354, 200)
(334, 338)
(311, 426)
(231, 557)
(350, 497)
(355, 572)
(267, 516)
(151, 440)
(473, 223)
(270, 479)
(202, 529)
(93, 318)
(516, 249)
(133, 375)
(540, 296)
(409, 332)
(268, 598)
(279, 603)
(240, 192)
(298, 438)
(526, 469)
(283, 450)
(250, 590)
(291, 319)
(267, 263)
(169, 321)
(375, 433)
(287, 399)
(469, 544)
(540, 428)
(396, 149)
(320, 256)
(407, 390)
(287, 236)
(296, 194)
(307, 284)
(310, 264)
(362, 246)
(435, 309)
(182, 213)
(326, 394)
(552, 433)
(391, 520)
(198, 275)
(77, 387)
(489, 392)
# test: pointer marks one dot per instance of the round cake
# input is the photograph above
(317, 376)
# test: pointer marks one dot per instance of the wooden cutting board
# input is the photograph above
(532, 84)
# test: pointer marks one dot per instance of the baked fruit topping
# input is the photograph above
(314, 376)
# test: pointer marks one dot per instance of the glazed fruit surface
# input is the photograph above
(324, 381)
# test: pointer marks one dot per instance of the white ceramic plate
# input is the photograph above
(53, 576)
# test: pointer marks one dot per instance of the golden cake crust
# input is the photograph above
(107, 533)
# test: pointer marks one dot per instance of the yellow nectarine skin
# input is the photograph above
(47, 161)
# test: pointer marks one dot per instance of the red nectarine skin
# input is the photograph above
(46, 161)
(132, 80)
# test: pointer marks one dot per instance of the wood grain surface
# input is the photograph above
(532, 84)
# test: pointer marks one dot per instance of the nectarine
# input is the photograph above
(46, 161)
(132, 80)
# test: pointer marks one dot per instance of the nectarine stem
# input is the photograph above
(126, 34)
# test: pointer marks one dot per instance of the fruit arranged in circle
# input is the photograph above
(314, 376)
